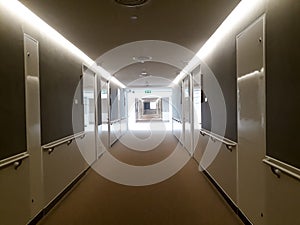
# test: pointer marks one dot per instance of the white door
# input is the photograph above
(103, 129)
(187, 114)
(196, 105)
(31, 55)
(90, 115)
(251, 121)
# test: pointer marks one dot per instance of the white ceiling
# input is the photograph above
(159, 74)
(169, 31)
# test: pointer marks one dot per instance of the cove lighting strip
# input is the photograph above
(239, 13)
(24, 14)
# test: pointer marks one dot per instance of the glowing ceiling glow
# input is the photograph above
(239, 13)
(27, 16)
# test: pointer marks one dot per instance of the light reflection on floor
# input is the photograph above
(154, 126)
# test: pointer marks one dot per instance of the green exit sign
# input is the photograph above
(147, 91)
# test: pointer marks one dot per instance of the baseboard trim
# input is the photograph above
(233, 206)
(39, 216)
(177, 139)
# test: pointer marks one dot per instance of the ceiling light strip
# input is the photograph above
(238, 14)
(27, 16)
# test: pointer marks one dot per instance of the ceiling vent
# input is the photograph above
(131, 3)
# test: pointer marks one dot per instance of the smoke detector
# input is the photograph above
(132, 3)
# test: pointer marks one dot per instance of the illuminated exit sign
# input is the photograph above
(147, 91)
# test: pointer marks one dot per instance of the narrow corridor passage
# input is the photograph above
(187, 198)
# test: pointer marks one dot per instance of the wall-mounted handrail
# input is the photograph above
(68, 140)
(115, 121)
(16, 160)
(177, 120)
(278, 167)
(228, 143)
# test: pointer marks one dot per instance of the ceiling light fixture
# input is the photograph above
(134, 17)
(142, 59)
(131, 3)
(144, 74)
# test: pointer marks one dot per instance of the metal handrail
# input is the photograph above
(50, 147)
(115, 121)
(177, 120)
(229, 143)
(16, 160)
(277, 167)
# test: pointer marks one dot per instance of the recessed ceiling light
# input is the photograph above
(131, 3)
(142, 59)
(145, 75)
(134, 17)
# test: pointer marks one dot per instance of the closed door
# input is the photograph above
(90, 114)
(31, 55)
(103, 129)
(187, 114)
(251, 121)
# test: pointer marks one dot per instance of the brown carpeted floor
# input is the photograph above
(143, 158)
(187, 198)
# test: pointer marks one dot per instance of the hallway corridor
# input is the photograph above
(186, 198)
(149, 112)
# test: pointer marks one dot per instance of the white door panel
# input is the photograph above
(31, 55)
(251, 121)
(187, 114)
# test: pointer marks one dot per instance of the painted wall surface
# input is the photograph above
(282, 98)
(14, 183)
(12, 91)
(60, 72)
(283, 70)
(60, 76)
(15, 194)
(280, 196)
